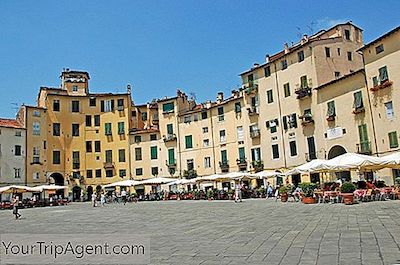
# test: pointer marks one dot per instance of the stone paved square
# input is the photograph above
(224, 232)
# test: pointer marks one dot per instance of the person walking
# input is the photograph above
(102, 199)
(15, 207)
(94, 199)
(123, 195)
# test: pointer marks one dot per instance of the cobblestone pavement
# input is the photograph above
(223, 232)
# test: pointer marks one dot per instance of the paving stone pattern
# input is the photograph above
(224, 232)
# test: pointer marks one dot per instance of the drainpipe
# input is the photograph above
(213, 145)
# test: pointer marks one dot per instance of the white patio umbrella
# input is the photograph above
(16, 189)
(393, 160)
(124, 183)
(48, 187)
(155, 181)
(182, 182)
(214, 177)
(353, 161)
(316, 165)
(269, 174)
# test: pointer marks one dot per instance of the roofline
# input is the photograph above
(387, 34)
(341, 78)
(166, 99)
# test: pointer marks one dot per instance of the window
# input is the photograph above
(97, 147)
(242, 155)
(56, 105)
(56, 157)
(188, 141)
(238, 108)
(168, 107)
(358, 102)
(75, 160)
(144, 116)
(109, 158)
(139, 171)
(206, 142)
(331, 109)
(18, 150)
(98, 173)
(240, 133)
(270, 97)
(36, 155)
(121, 128)
(75, 106)
(393, 140)
(121, 155)
(267, 71)
(170, 129)
(303, 81)
(338, 51)
(36, 113)
(18, 133)
(286, 89)
(96, 120)
(222, 136)
(327, 52)
(284, 64)
(293, 148)
(190, 164)
(171, 156)
(275, 151)
(17, 173)
(44, 145)
(300, 56)
(75, 129)
(379, 49)
(56, 129)
(205, 129)
(256, 154)
(138, 153)
(89, 173)
(88, 120)
(375, 81)
(383, 74)
(347, 34)
(337, 74)
(153, 137)
(224, 157)
(349, 56)
(272, 125)
(120, 104)
(36, 175)
(187, 119)
(36, 128)
(107, 105)
(122, 173)
(221, 114)
(89, 146)
(138, 138)
(109, 173)
(108, 129)
(207, 162)
(75, 88)
(204, 115)
(154, 171)
(92, 102)
(363, 134)
(153, 152)
(389, 110)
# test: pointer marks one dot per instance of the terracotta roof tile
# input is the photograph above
(10, 123)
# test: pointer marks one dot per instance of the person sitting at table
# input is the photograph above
(370, 185)
(296, 194)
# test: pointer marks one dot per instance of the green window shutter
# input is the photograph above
(375, 81)
(286, 89)
(364, 142)
(383, 75)
(393, 140)
(168, 107)
(238, 108)
(224, 156)
(108, 129)
(121, 128)
(170, 129)
(188, 141)
(153, 152)
(358, 102)
(303, 81)
(171, 156)
(241, 153)
(331, 109)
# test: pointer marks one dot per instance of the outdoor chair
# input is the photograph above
(334, 197)
(368, 196)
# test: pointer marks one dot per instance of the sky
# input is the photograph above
(160, 46)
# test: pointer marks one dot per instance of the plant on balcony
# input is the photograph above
(258, 165)
(189, 174)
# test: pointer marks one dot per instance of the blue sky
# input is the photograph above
(159, 46)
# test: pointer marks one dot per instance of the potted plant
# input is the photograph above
(308, 192)
(210, 194)
(347, 189)
(283, 192)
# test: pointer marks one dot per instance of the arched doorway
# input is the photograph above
(58, 180)
(76, 193)
(335, 151)
(89, 192)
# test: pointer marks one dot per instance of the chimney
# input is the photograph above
(235, 93)
(304, 39)
(128, 89)
(208, 104)
(256, 65)
(286, 47)
(267, 58)
(220, 97)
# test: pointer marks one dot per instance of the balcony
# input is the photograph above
(171, 163)
(255, 133)
(330, 117)
(258, 165)
(190, 174)
(302, 91)
(253, 110)
(169, 137)
(224, 165)
(307, 119)
(364, 148)
(310, 156)
(242, 164)
(358, 110)
(382, 85)
(251, 88)
(109, 165)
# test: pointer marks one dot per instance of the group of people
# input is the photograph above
(113, 198)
